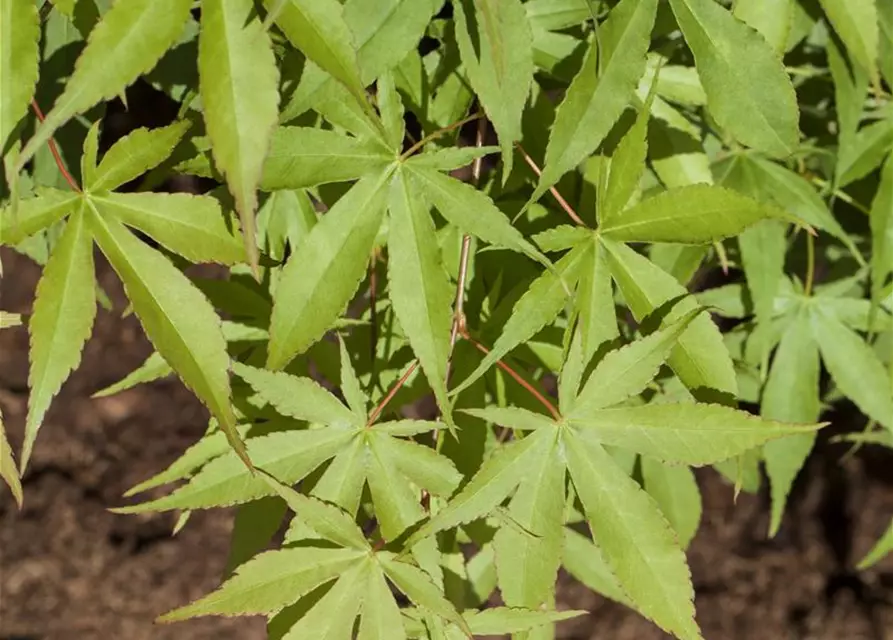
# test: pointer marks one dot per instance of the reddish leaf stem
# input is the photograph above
(55, 151)
(561, 201)
(517, 376)
(373, 416)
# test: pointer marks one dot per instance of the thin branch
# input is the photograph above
(459, 307)
(561, 201)
(376, 412)
(517, 377)
(55, 151)
(810, 265)
(440, 132)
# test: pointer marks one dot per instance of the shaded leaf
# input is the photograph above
(19, 60)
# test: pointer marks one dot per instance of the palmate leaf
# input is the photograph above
(381, 619)
(64, 310)
(595, 303)
(700, 357)
(539, 306)
(770, 17)
(755, 102)
(498, 58)
(638, 544)
(449, 159)
(35, 214)
(301, 157)
(696, 214)
(132, 33)
(333, 617)
(675, 490)
(324, 272)
(420, 289)
(19, 58)
(384, 32)
(191, 226)
(472, 211)
(856, 22)
(881, 235)
(854, 367)
(791, 394)
(318, 29)
(136, 153)
(601, 89)
(176, 317)
(238, 84)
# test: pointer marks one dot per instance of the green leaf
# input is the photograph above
(676, 492)
(494, 482)
(625, 372)
(300, 398)
(791, 394)
(562, 237)
(35, 214)
(176, 317)
(512, 417)
(885, 25)
(328, 521)
(473, 212)
(419, 588)
(598, 318)
(350, 386)
(381, 619)
(496, 46)
(450, 158)
(693, 434)
(210, 446)
(881, 219)
(870, 146)
(224, 481)
(325, 270)
(772, 18)
(270, 581)
(762, 250)
(302, 157)
(318, 29)
(8, 470)
(127, 42)
(136, 153)
(856, 22)
(586, 562)
(879, 551)
(854, 367)
(396, 502)
(390, 105)
(754, 102)
(627, 163)
(527, 565)
(424, 466)
(64, 310)
(501, 620)
(254, 526)
(192, 226)
(601, 89)
(696, 214)
(419, 286)
(238, 84)
(700, 358)
(638, 544)
(539, 306)
(19, 59)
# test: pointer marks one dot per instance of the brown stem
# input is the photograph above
(55, 151)
(458, 312)
(436, 134)
(399, 384)
(517, 376)
(561, 201)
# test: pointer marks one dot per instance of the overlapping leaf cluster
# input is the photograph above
(378, 252)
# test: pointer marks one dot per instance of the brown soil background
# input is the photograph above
(69, 569)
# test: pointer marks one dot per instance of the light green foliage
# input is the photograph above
(498, 58)
(754, 102)
(64, 309)
(238, 86)
(132, 33)
(20, 33)
(394, 368)
(600, 90)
